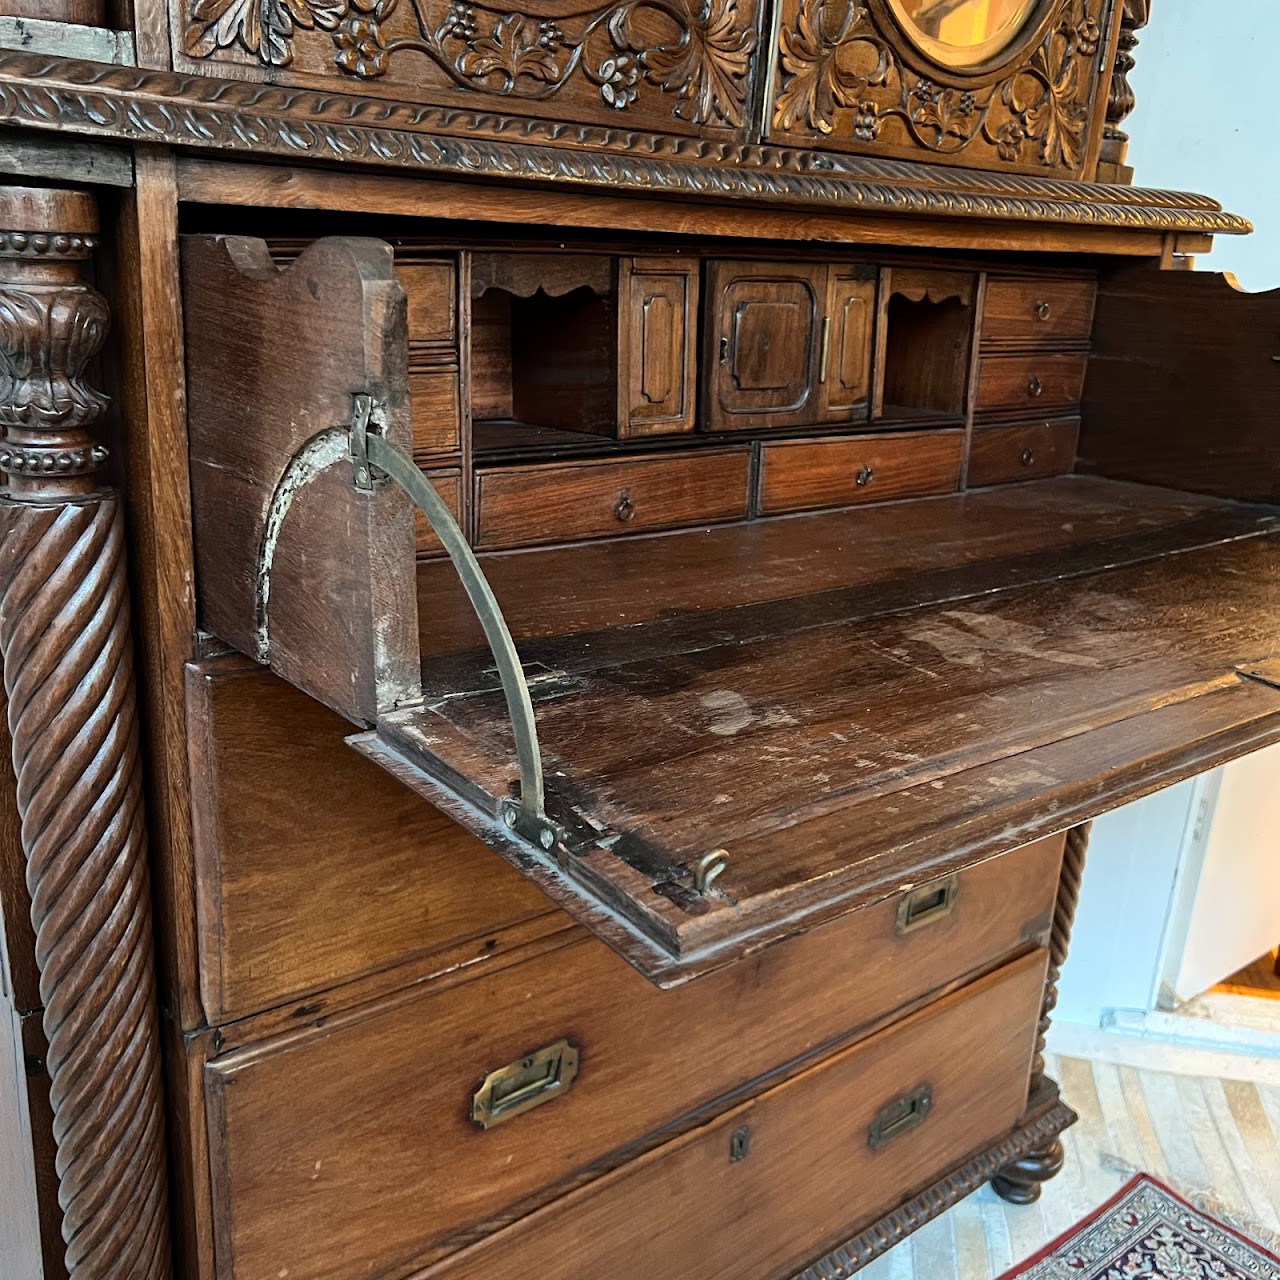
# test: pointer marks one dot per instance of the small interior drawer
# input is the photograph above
(1021, 312)
(804, 475)
(431, 290)
(797, 1171)
(448, 483)
(1030, 382)
(603, 498)
(434, 408)
(999, 455)
(353, 1180)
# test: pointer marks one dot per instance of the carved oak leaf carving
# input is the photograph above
(707, 67)
(264, 27)
(819, 81)
(514, 49)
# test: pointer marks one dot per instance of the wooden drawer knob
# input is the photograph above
(1043, 310)
(864, 477)
(624, 509)
(1035, 387)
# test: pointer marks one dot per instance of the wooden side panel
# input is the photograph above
(274, 357)
(405, 1175)
(763, 336)
(770, 1184)
(657, 336)
(1183, 386)
(313, 866)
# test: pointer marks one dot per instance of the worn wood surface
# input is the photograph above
(652, 1062)
(972, 1051)
(800, 735)
(1030, 383)
(294, 565)
(1022, 313)
(1184, 386)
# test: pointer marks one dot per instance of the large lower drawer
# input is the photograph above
(803, 475)
(358, 1134)
(563, 502)
(785, 1178)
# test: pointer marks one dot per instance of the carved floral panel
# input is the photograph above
(682, 66)
(847, 77)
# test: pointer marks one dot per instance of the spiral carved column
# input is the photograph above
(64, 637)
(1021, 1181)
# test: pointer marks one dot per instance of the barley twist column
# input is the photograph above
(64, 637)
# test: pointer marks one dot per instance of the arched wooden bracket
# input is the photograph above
(373, 456)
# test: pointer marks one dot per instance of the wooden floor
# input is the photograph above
(1257, 979)
(1203, 1137)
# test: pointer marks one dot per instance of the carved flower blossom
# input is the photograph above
(550, 37)
(1088, 34)
(618, 78)
(926, 91)
(866, 121)
(1009, 141)
(966, 104)
(361, 50)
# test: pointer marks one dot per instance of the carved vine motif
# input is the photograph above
(836, 60)
(701, 57)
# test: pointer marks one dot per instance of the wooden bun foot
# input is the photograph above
(1021, 1182)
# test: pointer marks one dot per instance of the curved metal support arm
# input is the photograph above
(529, 817)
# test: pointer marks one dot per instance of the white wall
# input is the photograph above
(1206, 82)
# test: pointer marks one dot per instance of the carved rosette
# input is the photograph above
(64, 636)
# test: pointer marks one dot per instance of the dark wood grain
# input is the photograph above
(972, 1051)
(803, 475)
(436, 410)
(1184, 386)
(657, 345)
(999, 455)
(651, 1063)
(1023, 313)
(564, 502)
(327, 598)
(1030, 383)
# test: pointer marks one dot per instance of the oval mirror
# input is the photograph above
(963, 33)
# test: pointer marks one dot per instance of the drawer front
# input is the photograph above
(448, 483)
(434, 409)
(349, 873)
(563, 503)
(784, 1178)
(401, 1174)
(1035, 312)
(803, 475)
(999, 455)
(431, 290)
(1030, 383)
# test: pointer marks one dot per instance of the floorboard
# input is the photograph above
(1204, 1137)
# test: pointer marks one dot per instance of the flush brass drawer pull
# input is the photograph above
(521, 1086)
(928, 903)
(900, 1116)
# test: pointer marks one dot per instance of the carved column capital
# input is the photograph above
(68, 671)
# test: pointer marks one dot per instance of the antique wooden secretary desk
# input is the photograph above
(603, 554)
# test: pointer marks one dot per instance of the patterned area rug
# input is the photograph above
(1148, 1233)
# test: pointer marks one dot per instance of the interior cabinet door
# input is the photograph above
(763, 337)
(845, 356)
(657, 301)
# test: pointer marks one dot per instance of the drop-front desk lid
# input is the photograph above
(749, 729)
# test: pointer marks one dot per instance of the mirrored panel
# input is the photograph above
(963, 33)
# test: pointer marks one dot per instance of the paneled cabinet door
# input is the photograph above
(844, 366)
(763, 339)
(657, 301)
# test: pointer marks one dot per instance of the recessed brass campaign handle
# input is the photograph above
(900, 1116)
(926, 904)
(520, 1086)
